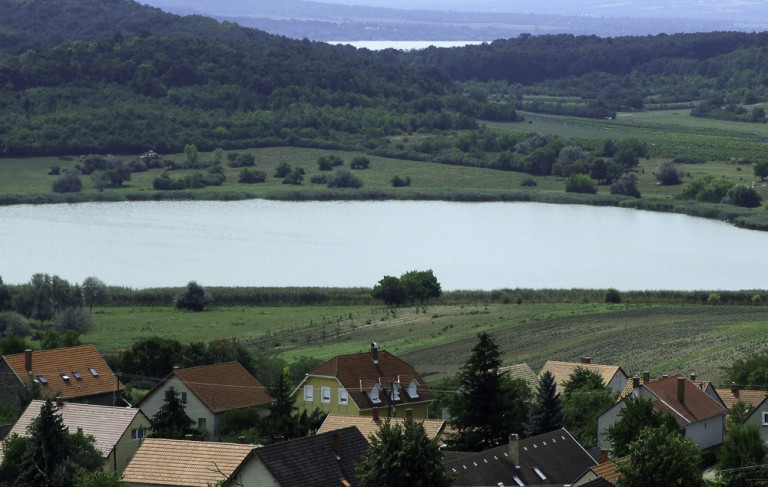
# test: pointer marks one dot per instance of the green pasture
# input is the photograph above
(437, 339)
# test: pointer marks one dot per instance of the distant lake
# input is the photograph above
(344, 244)
(403, 45)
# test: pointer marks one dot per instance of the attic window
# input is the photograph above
(518, 481)
(325, 394)
(374, 394)
(309, 392)
(93, 372)
(65, 377)
(76, 375)
(413, 389)
(343, 396)
(396, 391)
(540, 473)
(42, 379)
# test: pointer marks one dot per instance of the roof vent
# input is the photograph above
(375, 353)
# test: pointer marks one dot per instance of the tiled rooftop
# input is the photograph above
(367, 426)
(563, 370)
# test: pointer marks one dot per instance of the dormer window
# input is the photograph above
(395, 391)
(413, 389)
(374, 394)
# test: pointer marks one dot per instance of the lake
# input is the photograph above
(345, 244)
(404, 45)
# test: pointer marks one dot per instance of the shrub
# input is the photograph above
(12, 323)
(714, 298)
(528, 182)
(626, 185)
(319, 179)
(757, 299)
(69, 182)
(194, 298)
(76, 319)
(343, 178)
(668, 175)
(251, 176)
(55, 171)
(398, 182)
(239, 159)
(612, 296)
(360, 162)
(580, 183)
(295, 177)
(743, 196)
(283, 169)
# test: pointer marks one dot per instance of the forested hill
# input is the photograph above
(131, 78)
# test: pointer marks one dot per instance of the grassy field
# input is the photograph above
(437, 339)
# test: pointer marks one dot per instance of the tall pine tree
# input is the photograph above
(171, 420)
(546, 413)
(489, 405)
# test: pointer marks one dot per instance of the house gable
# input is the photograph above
(612, 375)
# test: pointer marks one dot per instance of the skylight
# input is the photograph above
(518, 481)
(76, 375)
(65, 377)
(42, 379)
(93, 372)
(540, 473)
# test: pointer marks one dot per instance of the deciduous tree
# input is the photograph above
(194, 298)
(585, 396)
(663, 458)
(390, 290)
(636, 414)
(742, 456)
(94, 292)
(401, 455)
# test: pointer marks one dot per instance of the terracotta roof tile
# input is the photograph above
(368, 427)
(55, 365)
(521, 371)
(222, 387)
(105, 423)
(357, 373)
(563, 370)
(748, 397)
(608, 470)
(697, 405)
(185, 463)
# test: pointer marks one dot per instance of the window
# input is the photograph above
(65, 377)
(374, 394)
(395, 391)
(343, 396)
(765, 418)
(42, 379)
(184, 397)
(137, 434)
(325, 394)
(309, 393)
(93, 372)
(201, 423)
(540, 473)
(413, 389)
(76, 375)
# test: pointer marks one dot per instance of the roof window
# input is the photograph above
(42, 379)
(540, 473)
(93, 372)
(76, 375)
(65, 377)
(518, 481)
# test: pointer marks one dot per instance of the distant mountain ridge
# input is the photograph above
(485, 20)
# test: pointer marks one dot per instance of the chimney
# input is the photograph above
(603, 456)
(635, 382)
(277, 439)
(375, 353)
(586, 360)
(734, 390)
(241, 440)
(337, 445)
(409, 413)
(189, 437)
(646, 377)
(59, 402)
(375, 415)
(28, 359)
(514, 448)
(693, 376)
(681, 389)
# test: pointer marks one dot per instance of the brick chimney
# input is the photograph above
(375, 353)
(734, 390)
(646, 377)
(681, 389)
(514, 448)
(603, 456)
(375, 415)
(241, 440)
(586, 360)
(635, 382)
(693, 376)
(28, 359)
(336, 445)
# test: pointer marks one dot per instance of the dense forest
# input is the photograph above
(88, 76)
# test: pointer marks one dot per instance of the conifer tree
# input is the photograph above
(546, 413)
(171, 420)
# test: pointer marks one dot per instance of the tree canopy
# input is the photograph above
(412, 285)
(584, 397)
(661, 457)
(637, 413)
(401, 455)
(488, 405)
(546, 412)
(742, 456)
(171, 420)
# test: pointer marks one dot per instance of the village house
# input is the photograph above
(613, 375)
(209, 391)
(521, 371)
(758, 414)
(160, 462)
(700, 417)
(359, 384)
(553, 458)
(118, 431)
(73, 374)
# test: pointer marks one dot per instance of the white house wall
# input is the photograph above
(604, 421)
(706, 433)
(194, 407)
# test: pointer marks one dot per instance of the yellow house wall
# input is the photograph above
(126, 448)
(420, 411)
(332, 407)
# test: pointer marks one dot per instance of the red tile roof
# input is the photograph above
(222, 387)
(748, 397)
(55, 365)
(358, 373)
(697, 404)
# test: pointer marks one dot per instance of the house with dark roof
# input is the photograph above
(554, 458)
(613, 375)
(74, 374)
(322, 460)
(700, 417)
(359, 384)
(208, 391)
(117, 431)
(160, 462)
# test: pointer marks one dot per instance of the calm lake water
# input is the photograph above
(467, 245)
